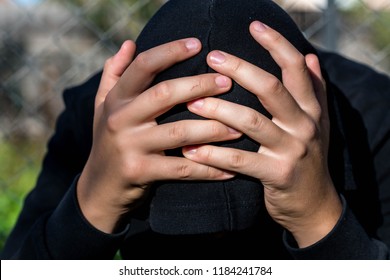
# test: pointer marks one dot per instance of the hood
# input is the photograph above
(197, 207)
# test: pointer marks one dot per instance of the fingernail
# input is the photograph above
(229, 175)
(259, 26)
(233, 131)
(217, 57)
(192, 44)
(197, 104)
(190, 150)
(222, 81)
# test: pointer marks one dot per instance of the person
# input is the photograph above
(222, 133)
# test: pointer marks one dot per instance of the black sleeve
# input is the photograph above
(368, 93)
(50, 224)
(363, 231)
(348, 240)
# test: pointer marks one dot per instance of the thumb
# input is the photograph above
(113, 70)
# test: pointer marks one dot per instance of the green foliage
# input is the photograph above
(381, 30)
(19, 167)
(378, 23)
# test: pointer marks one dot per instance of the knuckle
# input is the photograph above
(161, 92)
(142, 62)
(236, 160)
(318, 112)
(276, 37)
(183, 171)
(211, 172)
(110, 101)
(177, 133)
(286, 173)
(202, 84)
(299, 150)
(108, 63)
(253, 121)
(300, 66)
(133, 170)
(310, 131)
(298, 60)
(275, 85)
(236, 65)
(205, 154)
(212, 106)
(176, 48)
(171, 49)
(113, 122)
(215, 130)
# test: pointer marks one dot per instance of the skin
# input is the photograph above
(127, 153)
(128, 146)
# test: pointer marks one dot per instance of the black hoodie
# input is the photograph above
(181, 219)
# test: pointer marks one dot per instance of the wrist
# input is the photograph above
(97, 206)
(320, 222)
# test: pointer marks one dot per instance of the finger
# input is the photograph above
(113, 70)
(253, 164)
(187, 132)
(250, 122)
(148, 64)
(318, 84)
(163, 96)
(270, 91)
(174, 168)
(295, 73)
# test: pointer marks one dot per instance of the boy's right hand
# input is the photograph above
(128, 147)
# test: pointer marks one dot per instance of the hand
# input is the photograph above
(127, 154)
(292, 160)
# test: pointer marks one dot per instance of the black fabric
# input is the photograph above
(328, 248)
(263, 240)
(364, 98)
(59, 241)
(205, 207)
(51, 225)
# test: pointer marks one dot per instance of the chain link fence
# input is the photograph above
(49, 45)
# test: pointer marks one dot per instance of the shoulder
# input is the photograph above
(365, 90)
(83, 93)
(357, 81)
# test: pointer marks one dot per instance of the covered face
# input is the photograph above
(179, 207)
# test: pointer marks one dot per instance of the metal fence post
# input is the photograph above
(331, 19)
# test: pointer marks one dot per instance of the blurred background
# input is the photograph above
(49, 45)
